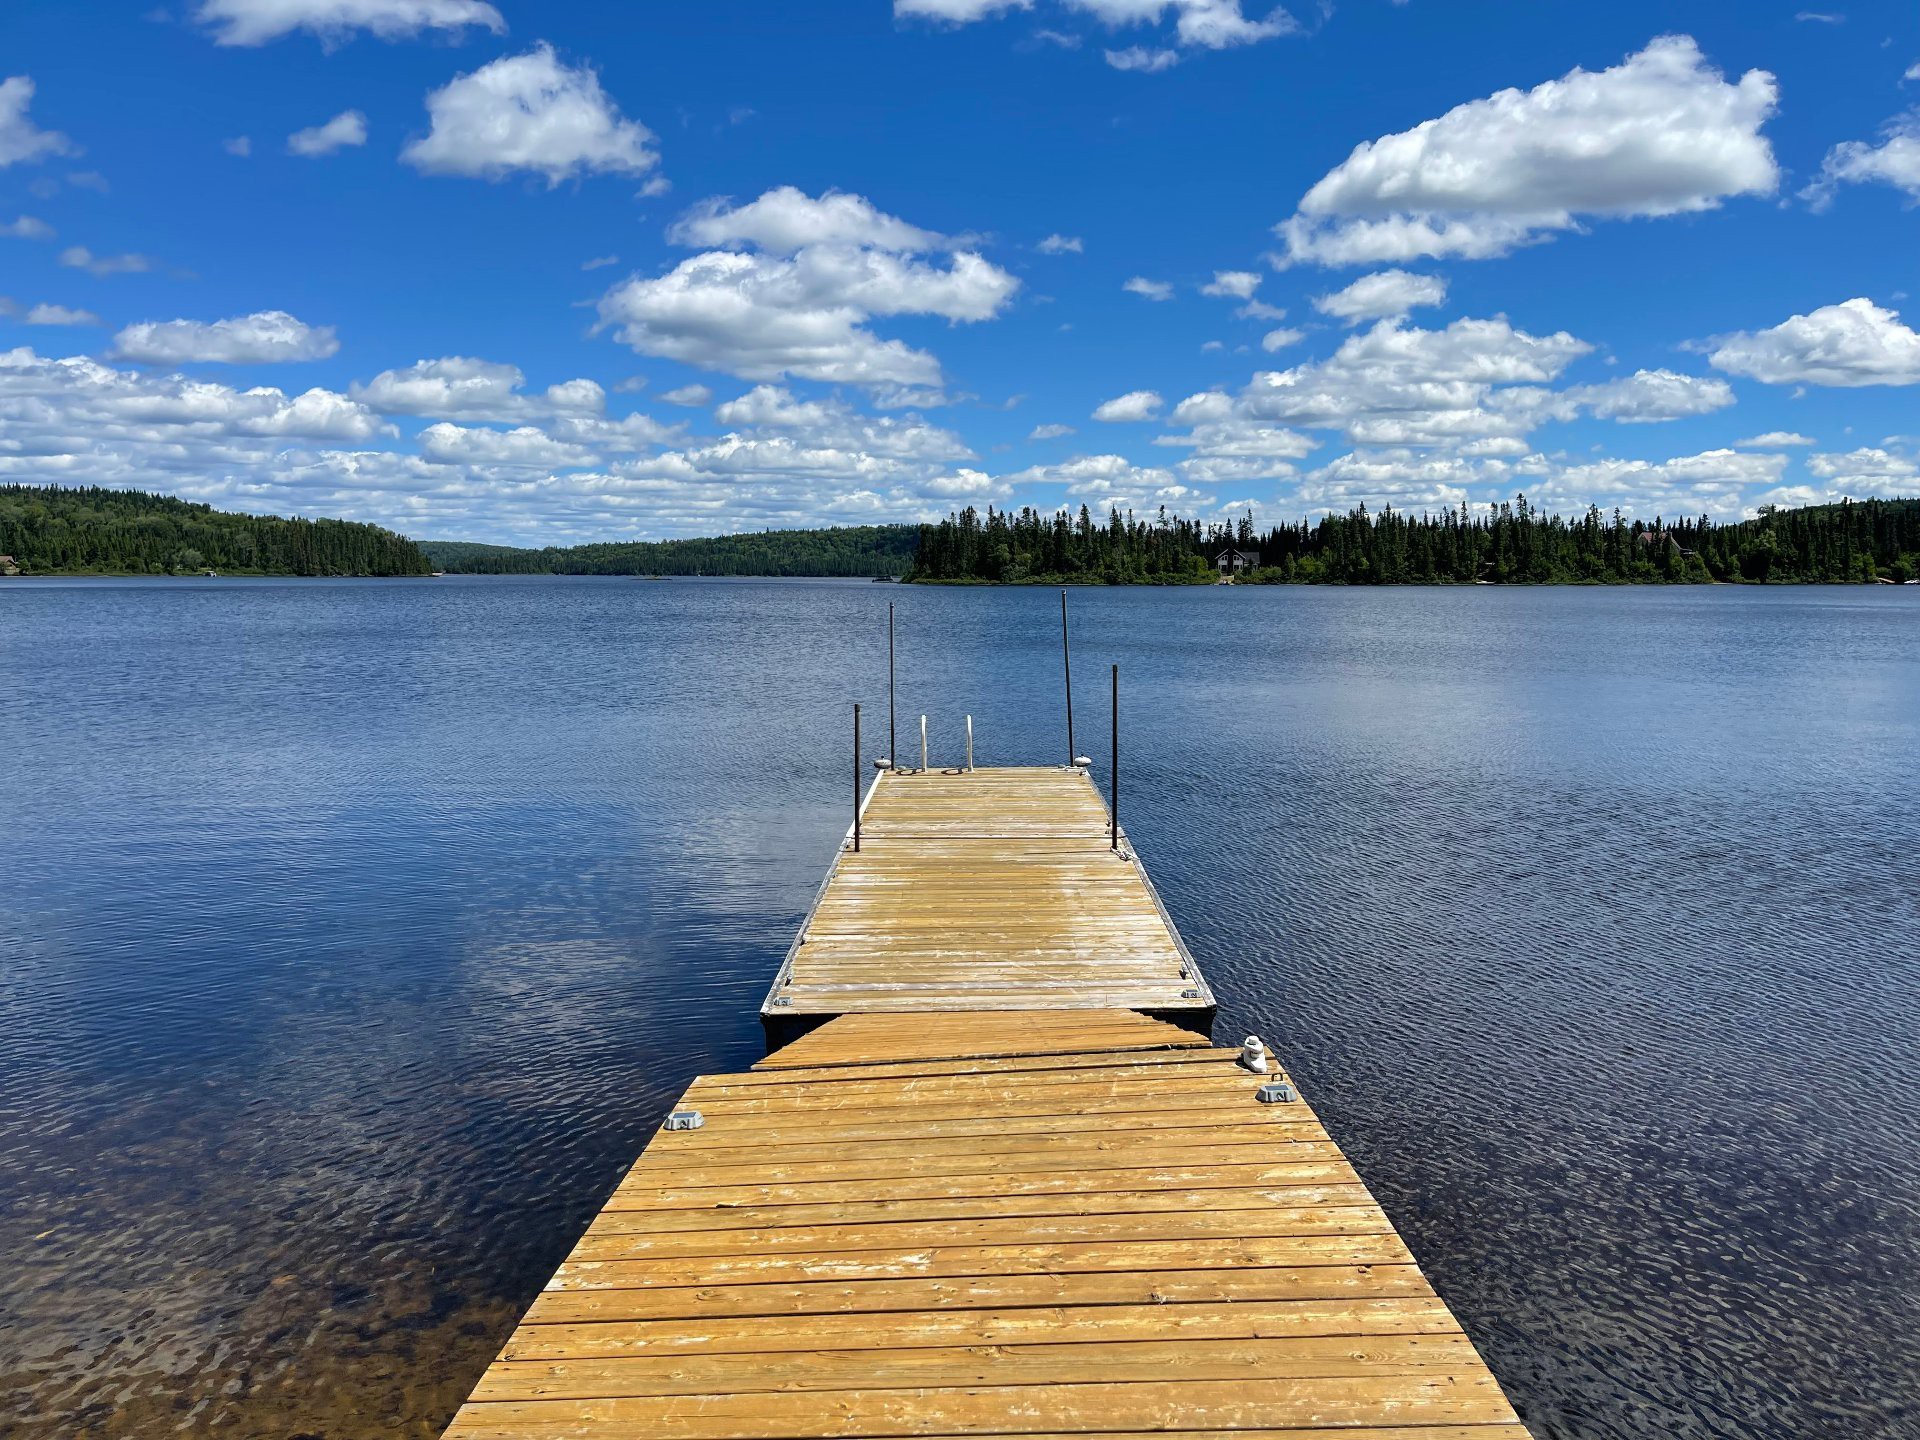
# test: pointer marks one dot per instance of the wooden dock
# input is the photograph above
(985, 890)
(1030, 1216)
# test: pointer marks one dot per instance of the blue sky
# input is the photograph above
(568, 271)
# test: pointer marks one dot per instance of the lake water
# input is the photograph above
(354, 935)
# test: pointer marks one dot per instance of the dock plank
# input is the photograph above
(985, 890)
(860, 1248)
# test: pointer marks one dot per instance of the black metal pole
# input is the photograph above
(1066, 659)
(1114, 782)
(893, 739)
(856, 777)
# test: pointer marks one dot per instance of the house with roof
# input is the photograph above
(1232, 561)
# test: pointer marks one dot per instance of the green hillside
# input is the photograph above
(49, 530)
(845, 551)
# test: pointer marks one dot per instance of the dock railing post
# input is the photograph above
(856, 777)
(1114, 782)
(893, 738)
(923, 744)
(1066, 660)
(969, 744)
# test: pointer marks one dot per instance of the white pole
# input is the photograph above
(923, 744)
(969, 742)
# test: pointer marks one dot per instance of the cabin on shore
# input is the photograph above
(1232, 561)
(9, 565)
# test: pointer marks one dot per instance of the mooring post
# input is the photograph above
(856, 777)
(923, 744)
(893, 739)
(969, 744)
(1066, 660)
(1115, 781)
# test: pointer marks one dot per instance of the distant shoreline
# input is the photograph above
(1055, 583)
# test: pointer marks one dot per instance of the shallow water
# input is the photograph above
(354, 935)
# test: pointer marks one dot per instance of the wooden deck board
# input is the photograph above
(858, 1245)
(988, 890)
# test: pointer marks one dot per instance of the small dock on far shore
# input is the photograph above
(995, 1181)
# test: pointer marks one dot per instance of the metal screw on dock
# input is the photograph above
(684, 1120)
(1276, 1092)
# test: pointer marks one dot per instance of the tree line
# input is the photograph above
(853, 550)
(52, 530)
(1512, 542)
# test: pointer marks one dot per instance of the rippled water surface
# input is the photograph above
(353, 936)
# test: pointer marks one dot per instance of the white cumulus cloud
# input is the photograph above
(1475, 383)
(1057, 244)
(956, 12)
(1199, 24)
(1134, 405)
(786, 220)
(797, 296)
(1714, 481)
(46, 314)
(525, 447)
(262, 338)
(20, 139)
(1148, 289)
(1111, 481)
(79, 257)
(1382, 295)
(1142, 59)
(255, 22)
(1232, 284)
(1662, 133)
(1853, 343)
(349, 127)
(772, 405)
(1774, 440)
(461, 387)
(1894, 161)
(529, 113)
(1652, 395)
(1870, 470)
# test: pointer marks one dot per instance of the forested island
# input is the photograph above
(1855, 542)
(855, 550)
(50, 530)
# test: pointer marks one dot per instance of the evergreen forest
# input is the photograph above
(51, 530)
(855, 550)
(1854, 542)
